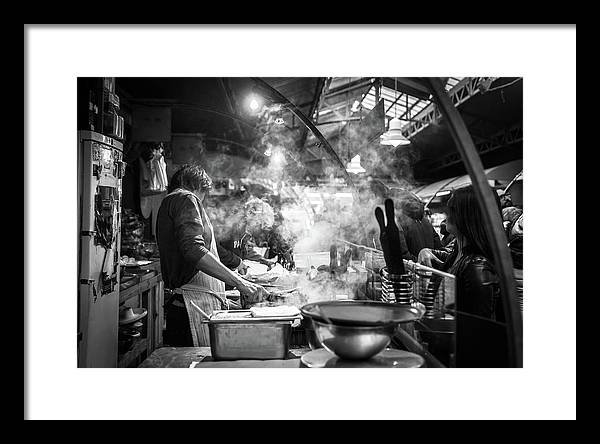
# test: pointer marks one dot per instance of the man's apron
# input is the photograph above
(207, 292)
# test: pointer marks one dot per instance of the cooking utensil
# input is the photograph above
(390, 238)
(321, 314)
(236, 334)
(250, 339)
(357, 330)
(353, 342)
(202, 312)
(280, 293)
(361, 313)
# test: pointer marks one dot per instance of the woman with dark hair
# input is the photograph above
(189, 260)
(480, 329)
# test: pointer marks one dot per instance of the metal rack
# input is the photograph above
(428, 286)
(432, 288)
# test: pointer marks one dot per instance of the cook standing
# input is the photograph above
(190, 262)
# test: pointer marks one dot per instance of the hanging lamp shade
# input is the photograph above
(394, 135)
(354, 165)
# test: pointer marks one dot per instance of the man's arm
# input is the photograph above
(189, 229)
(189, 235)
(228, 258)
(249, 252)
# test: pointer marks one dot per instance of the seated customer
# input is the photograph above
(279, 242)
(480, 329)
(257, 216)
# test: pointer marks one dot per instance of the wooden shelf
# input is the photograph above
(137, 289)
(139, 346)
(144, 290)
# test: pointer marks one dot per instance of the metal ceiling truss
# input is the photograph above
(407, 85)
(463, 91)
(501, 139)
(349, 87)
(322, 83)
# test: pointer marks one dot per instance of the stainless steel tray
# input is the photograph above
(244, 317)
(249, 339)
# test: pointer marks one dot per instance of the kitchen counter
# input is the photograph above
(200, 357)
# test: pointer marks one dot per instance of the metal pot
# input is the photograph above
(311, 336)
(353, 342)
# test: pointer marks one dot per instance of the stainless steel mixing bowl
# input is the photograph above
(354, 342)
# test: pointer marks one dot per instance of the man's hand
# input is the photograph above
(270, 263)
(254, 293)
(426, 257)
(242, 268)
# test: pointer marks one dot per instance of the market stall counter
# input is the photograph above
(200, 357)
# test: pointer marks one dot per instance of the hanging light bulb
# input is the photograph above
(354, 165)
(394, 135)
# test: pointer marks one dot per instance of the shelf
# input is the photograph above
(139, 288)
(139, 346)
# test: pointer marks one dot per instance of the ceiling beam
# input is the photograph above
(224, 82)
(502, 139)
(408, 85)
(313, 106)
(348, 87)
(276, 96)
(407, 112)
(460, 93)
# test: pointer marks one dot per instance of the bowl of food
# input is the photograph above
(357, 330)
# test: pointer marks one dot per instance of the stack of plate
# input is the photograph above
(130, 325)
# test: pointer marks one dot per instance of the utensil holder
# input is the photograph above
(396, 288)
(426, 293)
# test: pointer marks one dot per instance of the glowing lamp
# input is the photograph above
(394, 135)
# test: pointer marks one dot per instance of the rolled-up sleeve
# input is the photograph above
(227, 258)
(189, 230)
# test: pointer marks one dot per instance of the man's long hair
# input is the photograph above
(191, 177)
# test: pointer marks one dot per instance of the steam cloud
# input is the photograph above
(339, 218)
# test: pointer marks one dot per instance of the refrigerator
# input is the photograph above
(100, 172)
